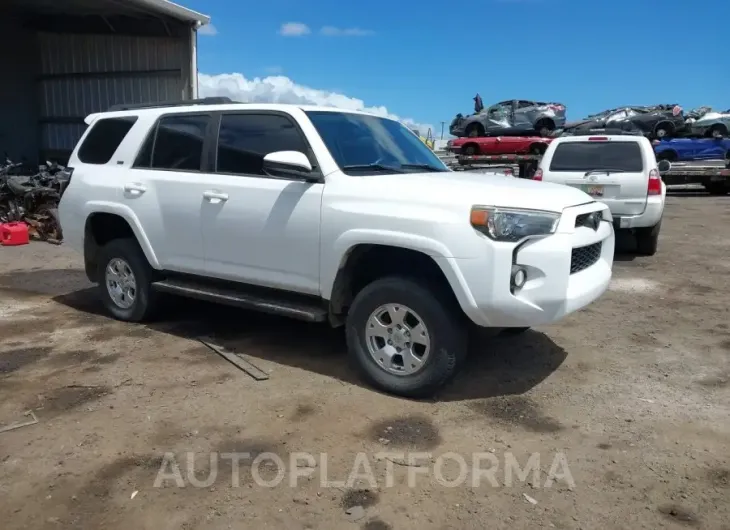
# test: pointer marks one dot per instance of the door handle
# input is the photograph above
(135, 188)
(215, 196)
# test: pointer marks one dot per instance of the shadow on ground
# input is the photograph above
(497, 365)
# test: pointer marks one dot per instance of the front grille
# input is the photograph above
(584, 257)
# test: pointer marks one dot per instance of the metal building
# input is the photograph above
(61, 60)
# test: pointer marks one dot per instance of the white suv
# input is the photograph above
(620, 171)
(328, 216)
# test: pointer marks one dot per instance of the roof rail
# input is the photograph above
(182, 103)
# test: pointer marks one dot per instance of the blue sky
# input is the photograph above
(425, 61)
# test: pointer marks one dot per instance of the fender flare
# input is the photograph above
(346, 242)
(126, 213)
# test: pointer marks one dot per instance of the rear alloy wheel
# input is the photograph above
(404, 338)
(125, 280)
(647, 239)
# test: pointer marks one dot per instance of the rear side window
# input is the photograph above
(104, 138)
(245, 139)
(176, 143)
(585, 156)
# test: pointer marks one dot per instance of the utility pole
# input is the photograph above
(442, 129)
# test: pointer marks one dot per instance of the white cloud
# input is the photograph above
(281, 89)
(332, 31)
(208, 29)
(294, 29)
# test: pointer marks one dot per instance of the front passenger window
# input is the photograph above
(245, 139)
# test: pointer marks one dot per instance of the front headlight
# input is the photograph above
(512, 224)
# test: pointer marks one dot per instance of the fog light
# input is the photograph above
(519, 276)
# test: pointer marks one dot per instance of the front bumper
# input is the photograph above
(551, 291)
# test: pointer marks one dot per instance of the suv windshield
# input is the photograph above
(586, 156)
(368, 145)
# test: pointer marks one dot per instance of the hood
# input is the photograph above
(465, 189)
(710, 116)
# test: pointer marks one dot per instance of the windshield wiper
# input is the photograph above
(606, 171)
(426, 167)
(380, 167)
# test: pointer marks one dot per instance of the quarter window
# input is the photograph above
(104, 138)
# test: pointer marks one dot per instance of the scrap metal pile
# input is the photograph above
(535, 118)
(30, 195)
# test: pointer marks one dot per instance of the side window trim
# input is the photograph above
(218, 119)
(207, 139)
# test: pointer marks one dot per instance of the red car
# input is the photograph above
(499, 145)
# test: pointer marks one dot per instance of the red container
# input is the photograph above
(14, 234)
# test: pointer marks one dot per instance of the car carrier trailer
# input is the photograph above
(714, 178)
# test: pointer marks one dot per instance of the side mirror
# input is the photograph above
(288, 164)
(664, 166)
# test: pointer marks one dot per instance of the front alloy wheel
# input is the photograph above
(405, 336)
(397, 339)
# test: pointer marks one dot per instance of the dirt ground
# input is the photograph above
(633, 392)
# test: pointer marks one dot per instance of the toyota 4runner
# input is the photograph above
(328, 216)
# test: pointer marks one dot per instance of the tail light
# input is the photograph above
(598, 139)
(655, 183)
(537, 175)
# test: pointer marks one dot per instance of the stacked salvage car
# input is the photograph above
(534, 118)
(517, 117)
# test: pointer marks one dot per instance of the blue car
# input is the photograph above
(689, 149)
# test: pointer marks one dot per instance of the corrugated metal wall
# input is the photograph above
(82, 74)
(18, 109)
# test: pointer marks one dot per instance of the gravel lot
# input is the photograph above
(633, 392)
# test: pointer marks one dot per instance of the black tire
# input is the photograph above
(663, 130)
(538, 149)
(717, 131)
(717, 188)
(445, 324)
(647, 239)
(511, 332)
(545, 127)
(146, 299)
(669, 156)
(470, 150)
(475, 130)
